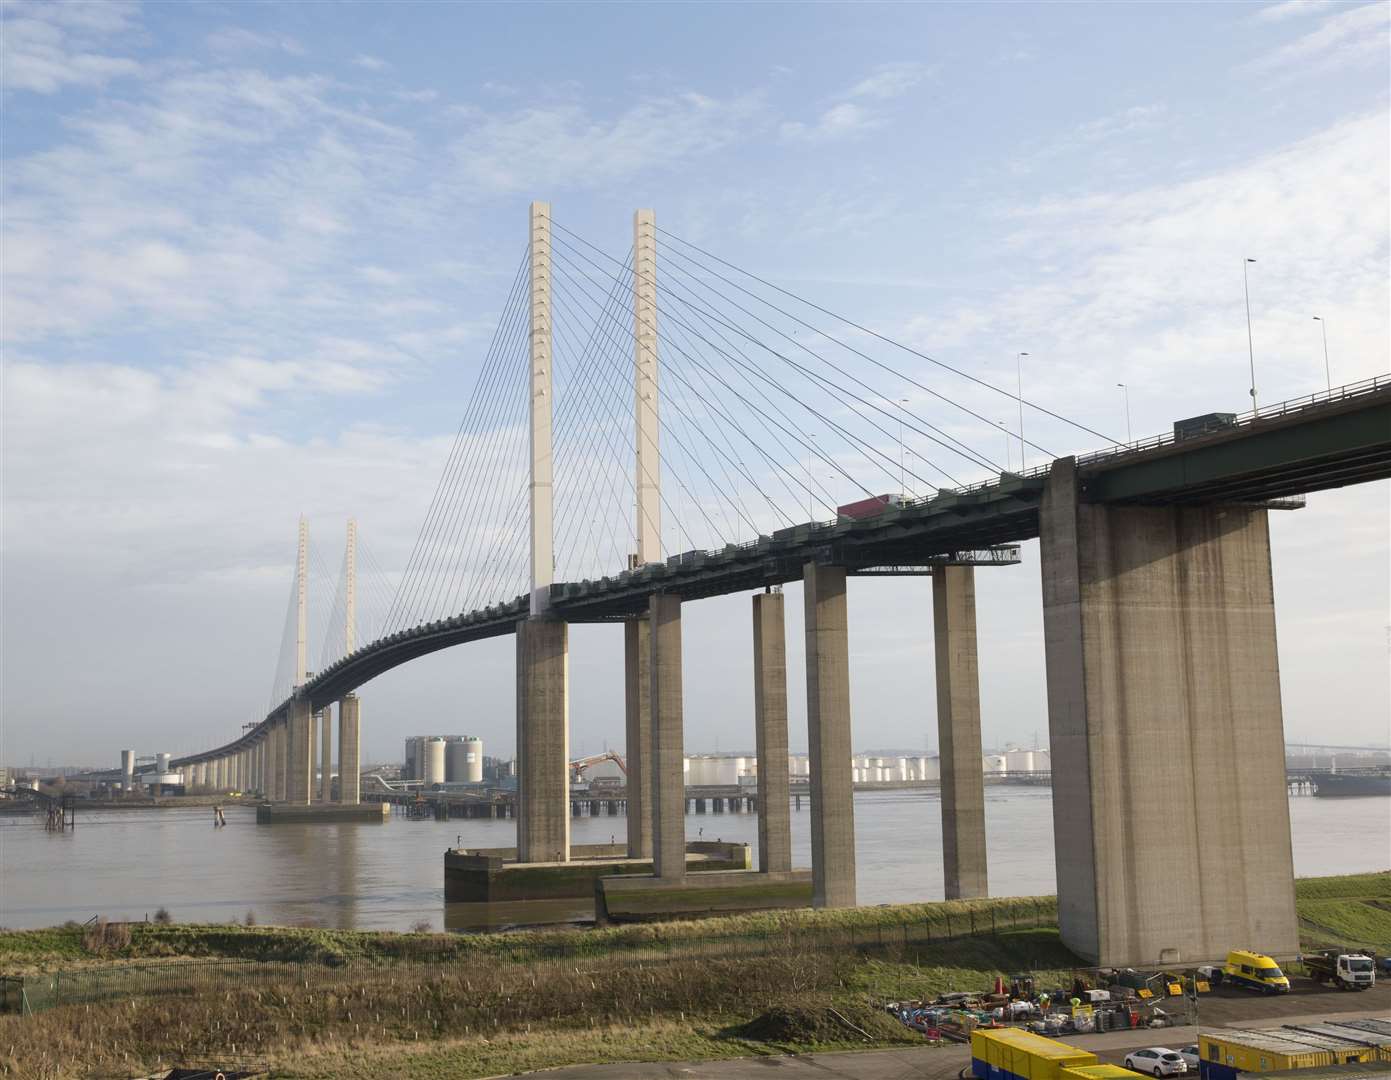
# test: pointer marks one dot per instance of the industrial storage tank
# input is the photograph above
(162, 761)
(127, 766)
(1019, 760)
(434, 770)
(464, 760)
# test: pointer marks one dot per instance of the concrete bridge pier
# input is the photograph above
(958, 732)
(1164, 691)
(637, 695)
(828, 737)
(326, 754)
(543, 741)
(299, 753)
(279, 770)
(668, 745)
(770, 733)
(350, 750)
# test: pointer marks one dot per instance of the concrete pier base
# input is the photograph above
(718, 892)
(543, 740)
(350, 750)
(958, 732)
(281, 813)
(494, 874)
(668, 748)
(1164, 692)
(770, 733)
(828, 737)
(637, 700)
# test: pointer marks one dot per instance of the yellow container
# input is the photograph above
(1277, 1049)
(1015, 1054)
(1096, 1072)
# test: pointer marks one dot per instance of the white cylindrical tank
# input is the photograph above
(993, 763)
(162, 762)
(455, 761)
(435, 772)
(127, 766)
(473, 758)
(1019, 761)
(1043, 761)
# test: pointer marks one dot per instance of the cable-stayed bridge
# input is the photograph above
(652, 429)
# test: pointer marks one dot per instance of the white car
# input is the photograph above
(1190, 1056)
(1157, 1061)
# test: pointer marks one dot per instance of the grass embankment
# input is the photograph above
(352, 1003)
(336, 1003)
(1353, 910)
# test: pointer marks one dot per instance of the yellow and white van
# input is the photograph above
(1255, 971)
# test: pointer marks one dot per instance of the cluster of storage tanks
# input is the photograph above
(725, 770)
(444, 759)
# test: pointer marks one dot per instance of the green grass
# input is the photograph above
(1359, 886)
(34, 950)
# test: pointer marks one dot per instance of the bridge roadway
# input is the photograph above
(1310, 444)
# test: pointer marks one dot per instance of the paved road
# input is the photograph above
(1226, 1009)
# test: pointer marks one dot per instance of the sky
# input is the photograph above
(254, 256)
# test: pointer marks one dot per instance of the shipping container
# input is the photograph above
(867, 508)
(1015, 1054)
(1224, 1053)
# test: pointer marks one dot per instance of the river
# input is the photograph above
(126, 864)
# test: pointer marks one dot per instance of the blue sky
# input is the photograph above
(254, 253)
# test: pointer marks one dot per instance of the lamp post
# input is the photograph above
(1009, 459)
(1126, 391)
(1019, 394)
(1250, 341)
(1327, 372)
(902, 476)
(811, 510)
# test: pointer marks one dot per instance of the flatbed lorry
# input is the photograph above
(1347, 971)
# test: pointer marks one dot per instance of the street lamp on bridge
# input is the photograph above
(1126, 391)
(1327, 372)
(1250, 341)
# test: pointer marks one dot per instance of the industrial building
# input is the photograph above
(444, 759)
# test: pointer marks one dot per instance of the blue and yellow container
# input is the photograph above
(1015, 1054)
(1097, 1072)
(1228, 1051)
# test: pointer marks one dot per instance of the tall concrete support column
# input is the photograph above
(958, 732)
(299, 753)
(220, 774)
(770, 732)
(637, 655)
(275, 748)
(543, 741)
(349, 750)
(326, 754)
(1164, 691)
(828, 737)
(668, 745)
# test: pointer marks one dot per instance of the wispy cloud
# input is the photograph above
(836, 122)
(370, 63)
(848, 116)
(566, 144)
(46, 47)
(889, 81)
(230, 40)
(1291, 9)
(1348, 36)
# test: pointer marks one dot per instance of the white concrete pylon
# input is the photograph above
(648, 527)
(350, 607)
(302, 605)
(542, 463)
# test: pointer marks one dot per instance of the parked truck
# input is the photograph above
(1346, 971)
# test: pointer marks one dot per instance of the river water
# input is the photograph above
(125, 864)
